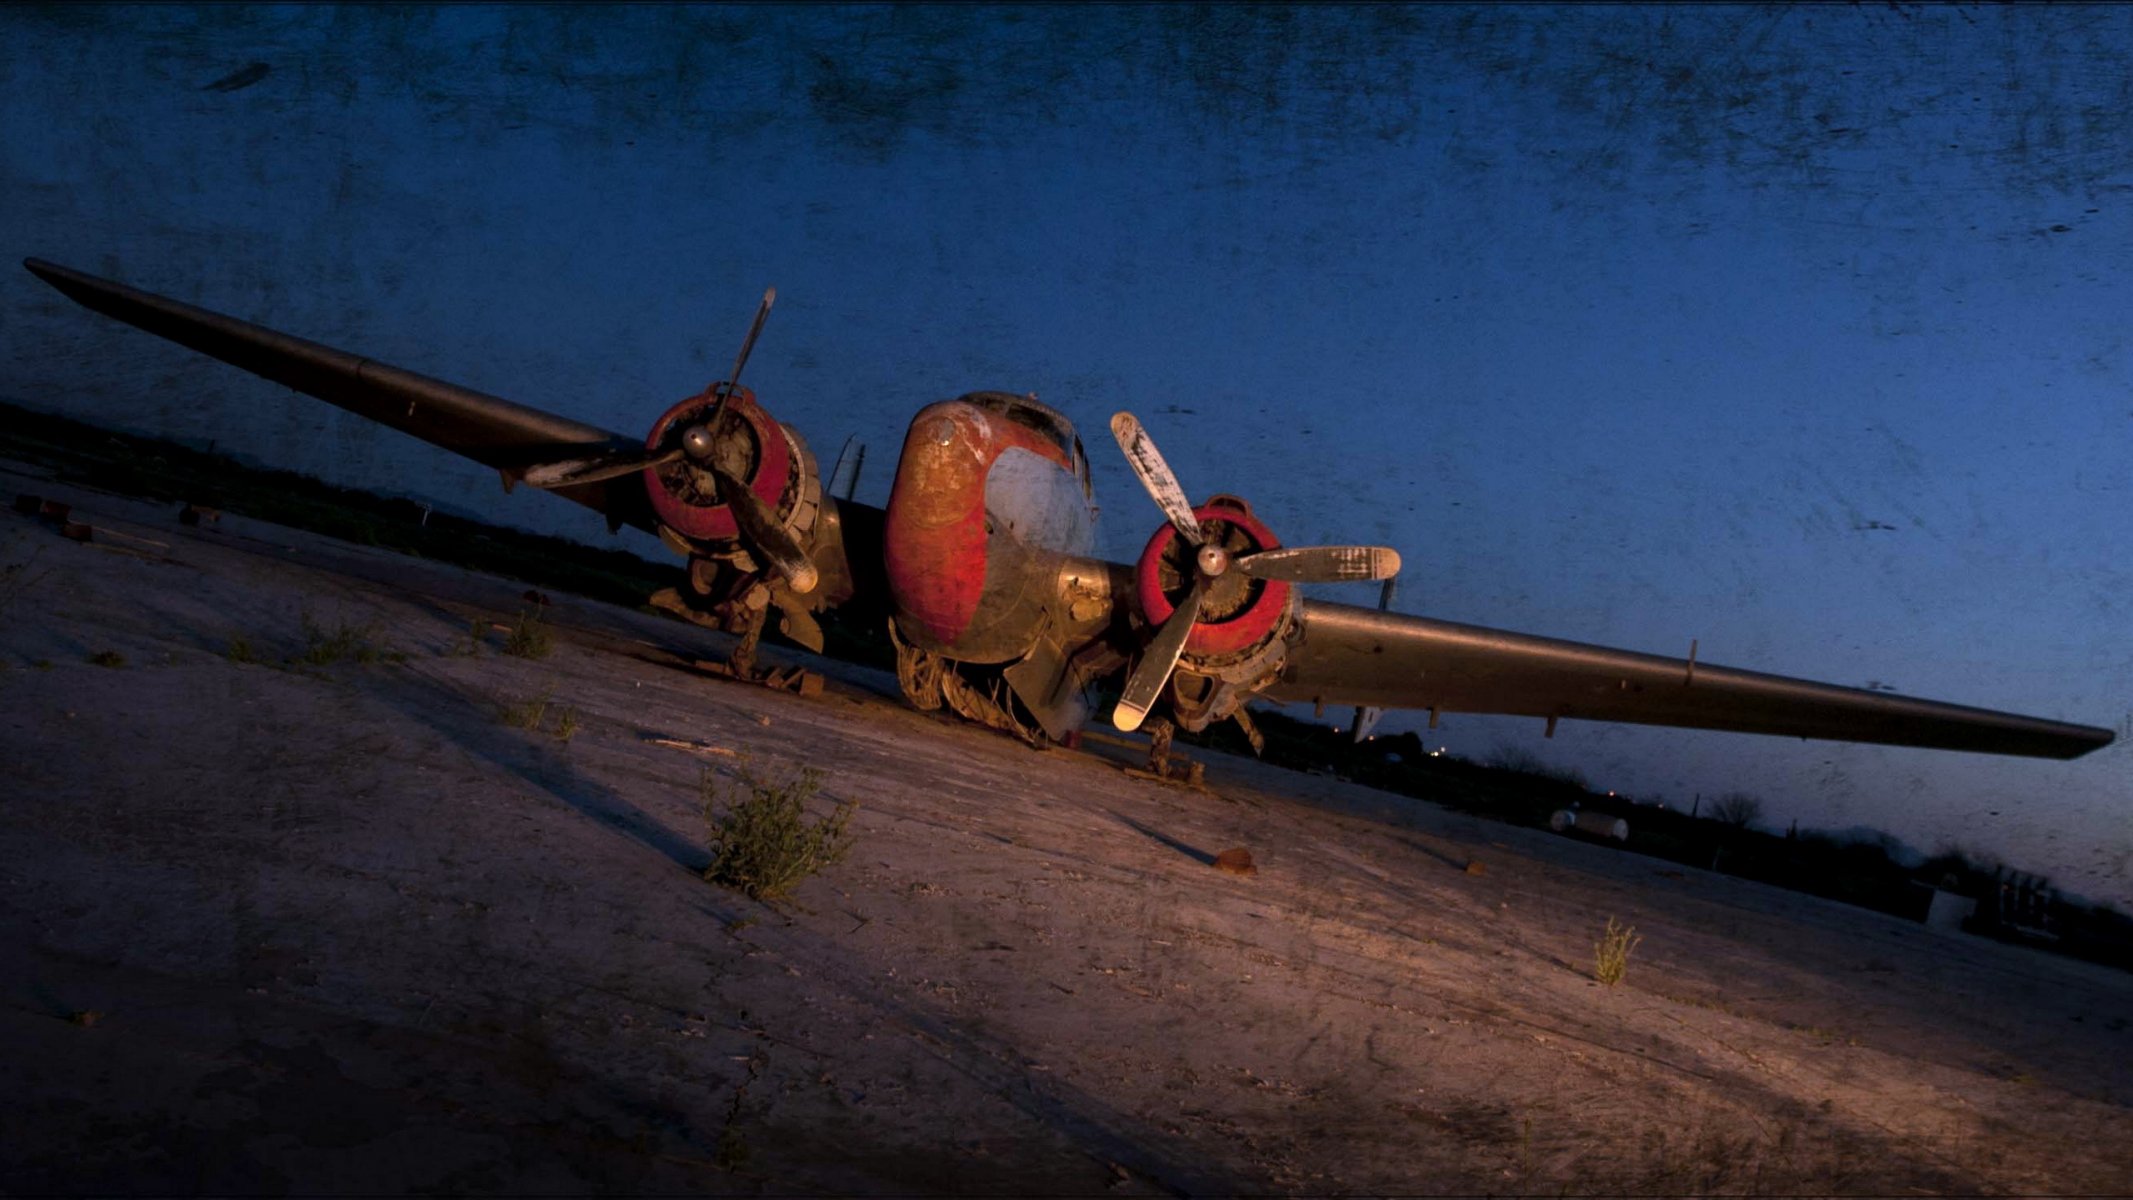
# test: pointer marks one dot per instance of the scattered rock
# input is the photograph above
(1236, 862)
(1474, 866)
(87, 1018)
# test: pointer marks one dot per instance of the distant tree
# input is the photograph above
(1738, 809)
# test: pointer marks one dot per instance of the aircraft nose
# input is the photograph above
(941, 477)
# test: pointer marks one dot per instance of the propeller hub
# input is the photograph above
(1213, 560)
(697, 442)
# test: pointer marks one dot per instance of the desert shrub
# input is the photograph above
(529, 637)
(343, 642)
(1610, 955)
(762, 844)
(1508, 757)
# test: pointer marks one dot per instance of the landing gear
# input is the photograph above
(930, 681)
(732, 598)
(1161, 765)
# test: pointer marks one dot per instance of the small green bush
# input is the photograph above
(1610, 955)
(529, 638)
(239, 651)
(761, 842)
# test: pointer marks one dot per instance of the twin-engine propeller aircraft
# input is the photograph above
(984, 563)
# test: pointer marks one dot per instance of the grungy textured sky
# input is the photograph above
(1799, 331)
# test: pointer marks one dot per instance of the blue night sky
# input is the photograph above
(1798, 331)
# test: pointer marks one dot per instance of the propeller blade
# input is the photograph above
(1157, 662)
(1147, 462)
(573, 471)
(1322, 564)
(764, 536)
(762, 313)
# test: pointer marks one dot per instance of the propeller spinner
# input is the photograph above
(1212, 561)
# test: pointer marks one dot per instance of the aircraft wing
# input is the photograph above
(1365, 656)
(489, 430)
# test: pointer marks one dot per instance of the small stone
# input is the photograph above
(1236, 862)
(87, 1018)
(1474, 867)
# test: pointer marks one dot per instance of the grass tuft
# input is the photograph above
(344, 642)
(529, 638)
(477, 630)
(108, 658)
(239, 651)
(761, 842)
(566, 723)
(527, 714)
(15, 579)
(1610, 955)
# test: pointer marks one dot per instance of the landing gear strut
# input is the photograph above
(1190, 772)
(743, 607)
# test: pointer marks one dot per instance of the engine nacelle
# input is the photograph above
(771, 458)
(1241, 638)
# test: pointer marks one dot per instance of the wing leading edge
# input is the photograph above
(1352, 655)
(485, 428)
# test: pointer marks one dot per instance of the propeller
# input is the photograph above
(1292, 564)
(755, 520)
(1157, 662)
(762, 313)
(596, 468)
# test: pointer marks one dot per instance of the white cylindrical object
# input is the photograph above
(1601, 825)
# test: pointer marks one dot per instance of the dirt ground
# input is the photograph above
(342, 928)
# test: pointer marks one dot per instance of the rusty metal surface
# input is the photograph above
(1351, 655)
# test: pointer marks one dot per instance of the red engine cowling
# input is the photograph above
(1240, 616)
(765, 454)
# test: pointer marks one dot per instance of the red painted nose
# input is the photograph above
(935, 544)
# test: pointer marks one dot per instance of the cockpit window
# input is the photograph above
(1032, 414)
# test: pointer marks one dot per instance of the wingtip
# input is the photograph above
(1127, 718)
